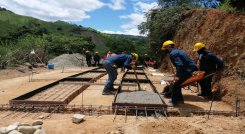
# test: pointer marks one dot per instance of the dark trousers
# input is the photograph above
(88, 63)
(206, 86)
(96, 63)
(176, 88)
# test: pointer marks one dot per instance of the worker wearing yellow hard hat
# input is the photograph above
(184, 69)
(209, 63)
(167, 44)
(198, 46)
(112, 63)
(135, 56)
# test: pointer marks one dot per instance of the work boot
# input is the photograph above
(205, 96)
(201, 94)
(108, 93)
(114, 89)
(171, 104)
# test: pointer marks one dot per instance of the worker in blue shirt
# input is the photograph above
(184, 69)
(112, 63)
(209, 63)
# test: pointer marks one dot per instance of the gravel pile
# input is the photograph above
(68, 61)
(23, 128)
(142, 97)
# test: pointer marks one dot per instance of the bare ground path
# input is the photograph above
(61, 123)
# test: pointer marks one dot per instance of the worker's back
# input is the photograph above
(182, 62)
(120, 60)
(209, 62)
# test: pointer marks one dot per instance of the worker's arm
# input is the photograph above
(127, 62)
(218, 61)
(175, 58)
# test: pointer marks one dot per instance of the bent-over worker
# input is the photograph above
(112, 63)
(184, 69)
(209, 63)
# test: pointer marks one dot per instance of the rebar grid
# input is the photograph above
(25, 110)
(57, 92)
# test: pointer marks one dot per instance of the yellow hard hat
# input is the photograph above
(136, 56)
(198, 46)
(167, 43)
(96, 52)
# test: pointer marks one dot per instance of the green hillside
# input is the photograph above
(21, 34)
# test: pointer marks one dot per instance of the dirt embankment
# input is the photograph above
(224, 35)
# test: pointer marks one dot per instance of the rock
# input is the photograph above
(41, 117)
(26, 129)
(76, 118)
(37, 122)
(11, 128)
(14, 132)
(24, 124)
(3, 130)
(38, 127)
(40, 131)
(16, 123)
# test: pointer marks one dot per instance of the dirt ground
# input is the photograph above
(11, 88)
(62, 124)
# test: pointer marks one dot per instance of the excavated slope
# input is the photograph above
(223, 33)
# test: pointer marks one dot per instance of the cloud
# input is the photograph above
(135, 20)
(137, 17)
(53, 10)
(111, 32)
(132, 31)
(144, 7)
(117, 4)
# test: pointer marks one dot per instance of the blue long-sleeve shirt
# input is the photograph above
(121, 60)
(209, 62)
(182, 62)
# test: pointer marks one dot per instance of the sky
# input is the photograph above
(108, 16)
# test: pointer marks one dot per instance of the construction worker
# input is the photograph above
(96, 59)
(112, 63)
(209, 63)
(147, 60)
(88, 58)
(184, 69)
(108, 54)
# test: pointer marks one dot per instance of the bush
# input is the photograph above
(162, 24)
(227, 7)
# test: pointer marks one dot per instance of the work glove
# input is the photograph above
(195, 73)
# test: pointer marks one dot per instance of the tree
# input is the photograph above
(118, 45)
(238, 4)
(204, 3)
(162, 24)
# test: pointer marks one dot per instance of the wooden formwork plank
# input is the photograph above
(61, 90)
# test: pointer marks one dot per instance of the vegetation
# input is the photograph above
(227, 7)
(162, 24)
(20, 35)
